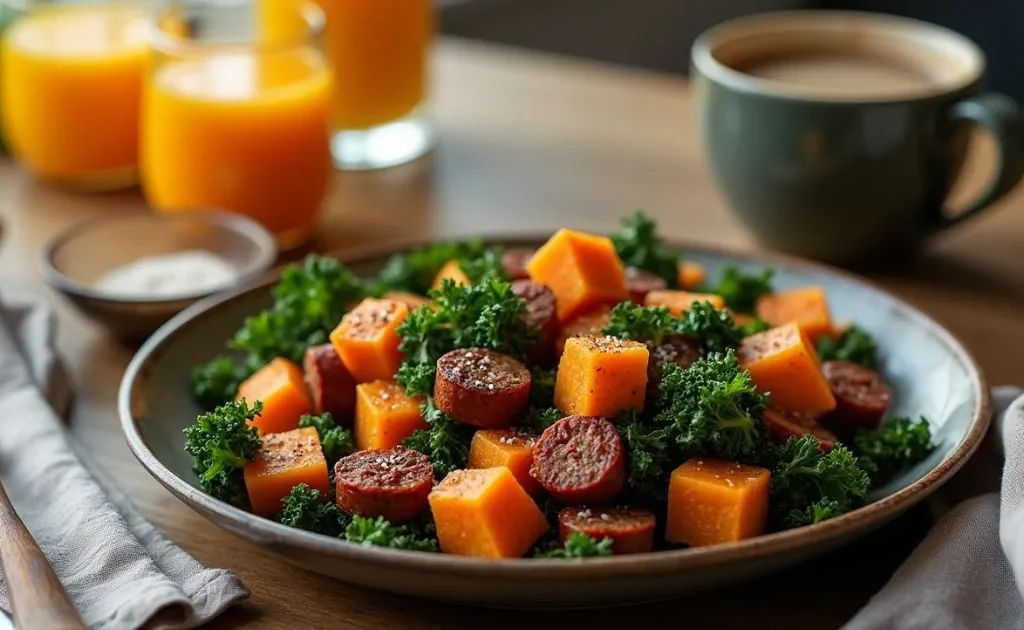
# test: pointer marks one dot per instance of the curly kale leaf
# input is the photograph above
(650, 457)
(577, 545)
(854, 345)
(445, 442)
(537, 419)
(416, 270)
(221, 443)
(216, 382)
(741, 290)
(638, 245)
(335, 441)
(641, 323)
(713, 328)
(713, 409)
(485, 267)
(305, 508)
(809, 485)
(381, 533)
(898, 443)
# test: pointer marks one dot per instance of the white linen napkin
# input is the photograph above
(121, 573)
(969, 571)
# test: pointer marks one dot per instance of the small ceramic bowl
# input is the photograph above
(75, 260)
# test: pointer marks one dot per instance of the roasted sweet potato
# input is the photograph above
(807, 307)
(588, 324)
(452, 270)
(385, 415)
(366, 339)
(282, 389)
(679, 302)
(505, 447)
(783, 363)
(601, 376)
(712, 501)
(285, 460)
(690, 275)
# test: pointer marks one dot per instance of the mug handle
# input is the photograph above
(1001, 116)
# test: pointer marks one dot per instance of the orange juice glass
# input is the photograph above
(70, 83)
(379, 51)
(237, 121)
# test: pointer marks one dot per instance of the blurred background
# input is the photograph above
(657, 34)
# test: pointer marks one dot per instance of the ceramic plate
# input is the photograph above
(933, 375)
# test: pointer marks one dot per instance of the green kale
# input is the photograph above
(741, 290)
(650, 457)
(713, 409)
(854, 345)
(304, 508)
(542, 386)
(809, 485)
(898, 443)
(536, 419)
(713, 328)
(381, 533)
(638, 245)
(485, 315)
(335, 441)
(445, 442)
(485, 267)
(217, 382)
(415, 271)
(754, 326)
(641, 323)
(221, 443)
(309, 301)
(577, 545)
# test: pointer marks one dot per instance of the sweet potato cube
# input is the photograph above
(385, 415)
(285, 460)
(412, 300)
(783, 363)
(601, 376)
(452, 270)
(505, 447)
(366, 339)
(485, 513)
(712, 501)
(679, 302)
(589, 324)
(807, 307)
(582, 270)
(280, 385)
(690, 275)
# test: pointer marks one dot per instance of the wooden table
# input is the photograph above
(531, 142)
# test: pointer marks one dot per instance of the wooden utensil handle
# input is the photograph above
(38, 599)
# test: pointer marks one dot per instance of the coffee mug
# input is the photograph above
(838, 135)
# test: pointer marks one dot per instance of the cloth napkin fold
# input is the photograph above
(119, 570)
(969, 571)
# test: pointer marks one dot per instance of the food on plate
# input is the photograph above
(391, 412)
(279, 385)
(331, 387)
(385, 415)
(485, 513)
(481, 387)
(711, 501)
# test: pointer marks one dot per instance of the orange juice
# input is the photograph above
(378, 50)
(71, 81)
(240, 132)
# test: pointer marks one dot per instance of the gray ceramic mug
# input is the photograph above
(821, 147)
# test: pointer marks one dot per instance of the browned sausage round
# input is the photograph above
(481, 387)
(677, 349)
(580, 459)
(514, 261)
(331, 386)
(631, 529)
(393, 483)
(640, 282)
(782, 425)
(540, 315)
(862, 397)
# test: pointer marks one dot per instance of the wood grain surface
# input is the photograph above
(534, 142)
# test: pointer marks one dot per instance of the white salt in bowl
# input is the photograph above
(102, 266)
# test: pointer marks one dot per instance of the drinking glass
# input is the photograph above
(237, 120)
(378, 50)
(71, 79)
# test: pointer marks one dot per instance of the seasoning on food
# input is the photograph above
(165, 276)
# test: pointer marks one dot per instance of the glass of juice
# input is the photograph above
(70, 83)
(238, 120)
(378, 50)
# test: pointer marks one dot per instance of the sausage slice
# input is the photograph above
(783, 425)
(677, 349)
(539, 315)
(514, 261)
(580, 459)
(862, 396)
(631, 529)
(481, 387)
(331, 387)
(640, 282)
(393, 483)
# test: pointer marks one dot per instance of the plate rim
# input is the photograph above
(533, 569)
